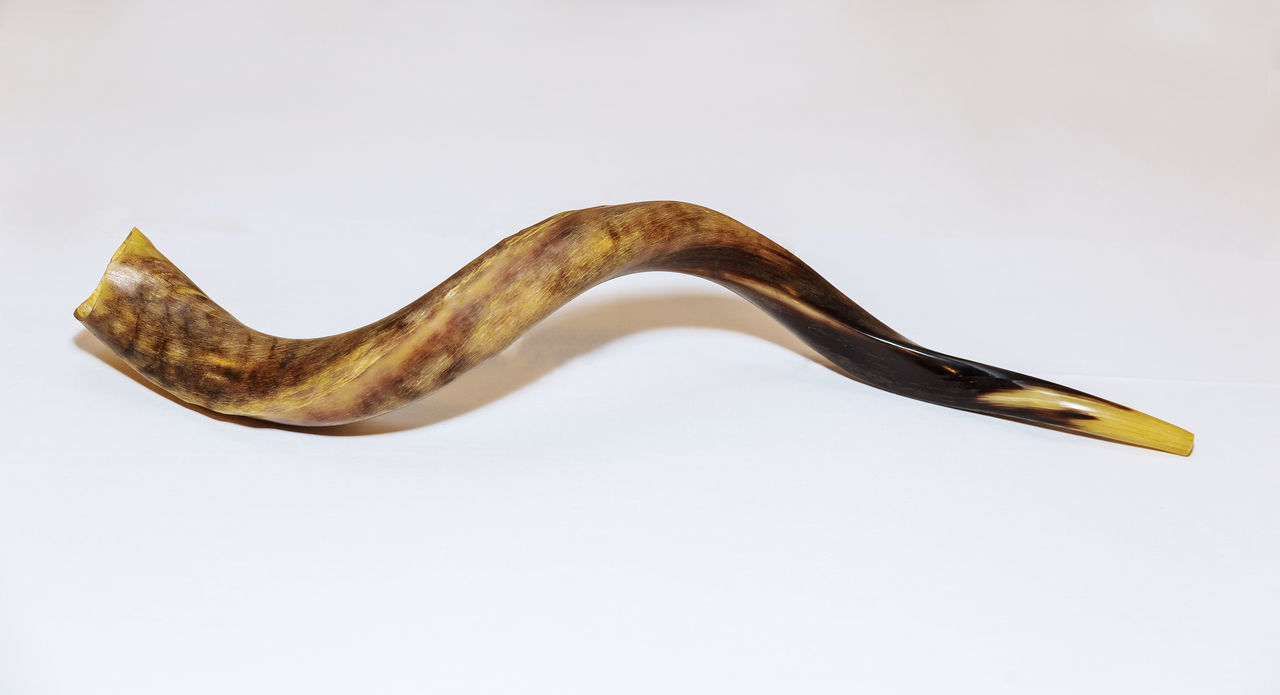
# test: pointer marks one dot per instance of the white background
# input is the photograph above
(656, 490)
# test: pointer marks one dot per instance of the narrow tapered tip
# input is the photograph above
(1092, 416)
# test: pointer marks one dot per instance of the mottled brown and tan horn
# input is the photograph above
(154, 317)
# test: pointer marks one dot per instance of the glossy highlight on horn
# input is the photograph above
(163, 325)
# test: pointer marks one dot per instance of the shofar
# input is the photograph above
(154, 317)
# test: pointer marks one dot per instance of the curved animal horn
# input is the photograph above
(154, 317)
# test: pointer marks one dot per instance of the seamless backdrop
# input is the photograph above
(656, 489)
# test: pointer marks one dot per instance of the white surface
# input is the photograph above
(656, 490)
